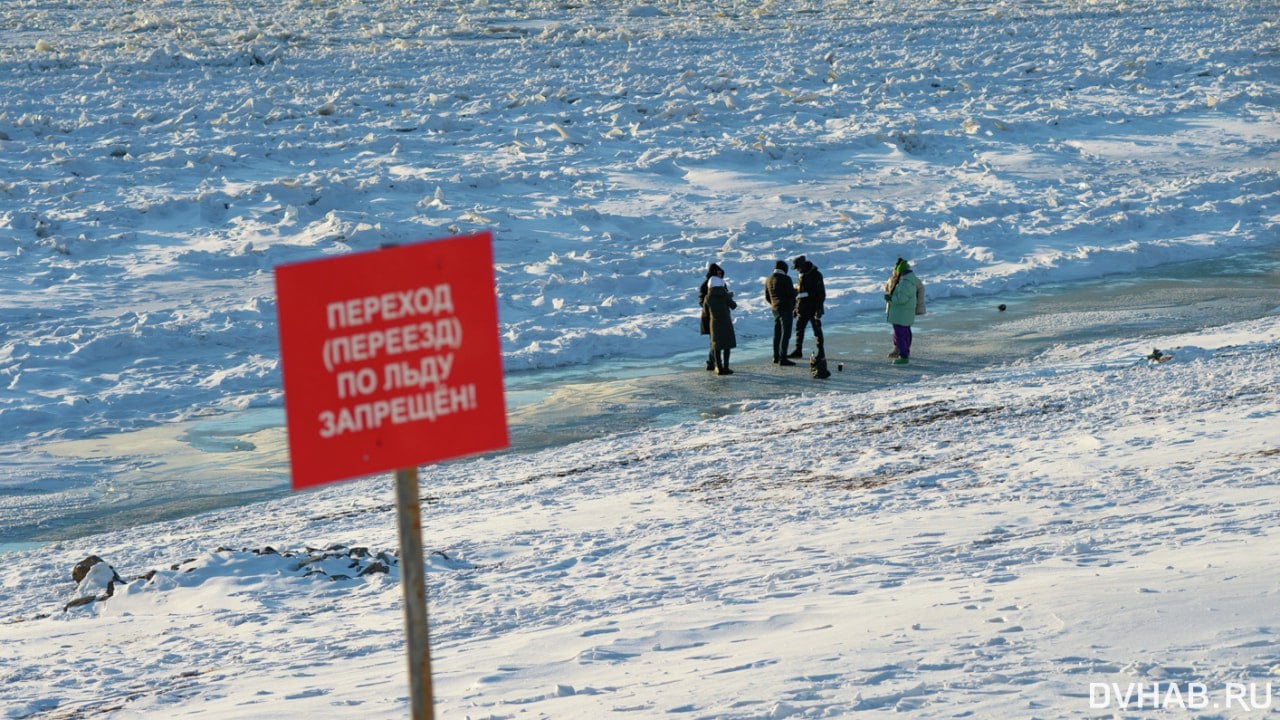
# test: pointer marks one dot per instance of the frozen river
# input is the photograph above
(180, 469)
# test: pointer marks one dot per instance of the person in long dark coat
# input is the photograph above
(719, 302)
(780, 293)
(811, 294)
(704, 326)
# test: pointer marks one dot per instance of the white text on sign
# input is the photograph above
(398, 411)
(433, 328)
(437, 300)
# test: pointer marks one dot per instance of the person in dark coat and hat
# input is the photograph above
(780, 293)
(719, 302)
(704, 326)
(811, 294)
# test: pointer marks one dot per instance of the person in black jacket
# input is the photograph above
(811, 293)
(780, 293)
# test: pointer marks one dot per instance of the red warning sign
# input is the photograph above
(391, 358)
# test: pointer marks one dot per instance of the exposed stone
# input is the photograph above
(81, 569)
(85, 567)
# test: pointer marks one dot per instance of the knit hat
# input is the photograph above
(901, 266)
(713, 269)
(780, 265)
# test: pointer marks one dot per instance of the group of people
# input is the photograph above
(801, 303)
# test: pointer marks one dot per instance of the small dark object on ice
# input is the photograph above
(818, 367)
(1157, 356)
(1001, 307)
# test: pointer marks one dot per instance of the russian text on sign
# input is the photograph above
(427, 371)
(428, 336)
(392, 306)
(430, 370)
(398, 410)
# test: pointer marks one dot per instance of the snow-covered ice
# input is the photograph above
(1008, 539)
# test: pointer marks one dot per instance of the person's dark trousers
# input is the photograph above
(781, 334)
(722, 362)
(902, 340)
(801, 321)
(711, 358)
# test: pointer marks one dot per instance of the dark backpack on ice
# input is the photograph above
(818, 368)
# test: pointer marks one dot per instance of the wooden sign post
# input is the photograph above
(392, 359)
(413, 579)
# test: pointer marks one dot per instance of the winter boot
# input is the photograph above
(722, 363)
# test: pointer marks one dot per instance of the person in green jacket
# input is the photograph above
(902, 300)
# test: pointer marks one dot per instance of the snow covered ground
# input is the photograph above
(1031, 539)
